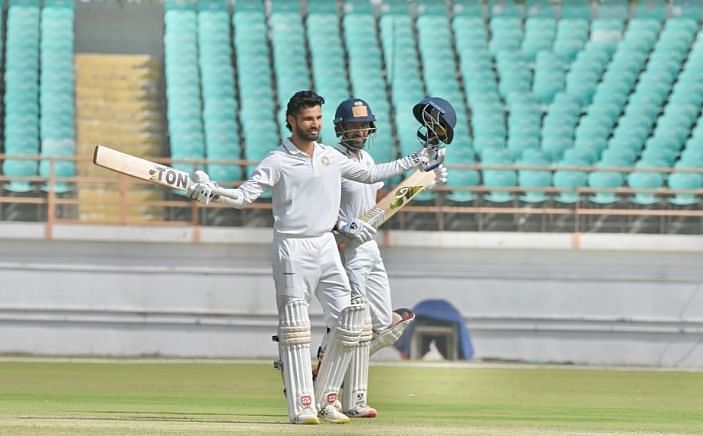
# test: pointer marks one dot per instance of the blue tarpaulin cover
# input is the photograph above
(437, 312)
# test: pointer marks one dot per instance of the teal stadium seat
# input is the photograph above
(605, 181)
(645, 181)
(472, 8)
(534, 178)
(21, 92)
(685, 181)
(541, 8)
(460, 176)
(651, 9)
(690, 9)
(568, 182)
(576, 9)
(183, 86)
(613, 9)
(505, 8)
(498, 178)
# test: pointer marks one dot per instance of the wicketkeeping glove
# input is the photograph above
(356, 229)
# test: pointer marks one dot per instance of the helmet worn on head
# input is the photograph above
(438, 117)
(353, 110)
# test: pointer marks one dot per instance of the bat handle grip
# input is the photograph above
(230, 197)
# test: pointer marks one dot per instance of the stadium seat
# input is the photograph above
(605, 181)
(613, 9)
(473, 8)
(541, 8)
(645, 180)
(685, 181)
(690, 9)
(576, 9)
(651, 9)
(568, 182)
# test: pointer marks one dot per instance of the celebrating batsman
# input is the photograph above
(305, 177)
(354, 123)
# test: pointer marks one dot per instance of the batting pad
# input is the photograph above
(294, 349)
(356, 380)
(340, 345)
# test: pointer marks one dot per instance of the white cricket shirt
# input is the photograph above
(357, 198)
(307, 190)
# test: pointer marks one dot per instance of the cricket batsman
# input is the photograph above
(305, 177)
(354, 124)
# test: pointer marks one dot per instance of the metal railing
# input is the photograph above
(117, 194)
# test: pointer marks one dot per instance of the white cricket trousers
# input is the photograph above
(302, 266)
(368, 277)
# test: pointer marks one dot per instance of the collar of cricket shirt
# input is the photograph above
(293, 149)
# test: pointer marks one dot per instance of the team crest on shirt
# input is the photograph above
(325, 160)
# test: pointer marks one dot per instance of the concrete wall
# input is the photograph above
(144, 291)
(119, 27)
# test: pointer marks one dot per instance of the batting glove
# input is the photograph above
(201, 189)
(428, 158)
(440, 177)
(356, 229)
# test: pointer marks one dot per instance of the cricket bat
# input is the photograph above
(145, 170)
(399, 197)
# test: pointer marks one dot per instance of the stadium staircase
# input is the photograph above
(119, 103)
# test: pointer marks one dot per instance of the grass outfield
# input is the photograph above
(80, 398)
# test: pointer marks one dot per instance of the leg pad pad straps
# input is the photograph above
(340, 345)
(294, 350)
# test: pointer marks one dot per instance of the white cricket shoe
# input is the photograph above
(362, 411)
(330, 414)
(307, 417)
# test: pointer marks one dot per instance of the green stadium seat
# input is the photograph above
(575, 156)
(682, 181)
(576, 9)
(645, 180)
(690, 9)
(352, 7)
(651, 9)
(499, 179)
(613, 9)
(505, 8)
(472, 8)
(541, 8)
(256, 6)
(19, 168)
(606, 181)
(534, 178)
(617, 157)
(568, 182)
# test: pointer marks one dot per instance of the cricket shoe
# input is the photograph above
(307, 417)
(330, 414)
(362, 411)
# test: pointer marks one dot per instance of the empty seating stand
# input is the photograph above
(58, 136)
(183, 90)
(22, 94)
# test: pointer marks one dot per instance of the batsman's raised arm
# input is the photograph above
(205, 190)
(424, 159)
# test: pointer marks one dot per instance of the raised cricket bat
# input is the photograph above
(399, 197)
(145, 170)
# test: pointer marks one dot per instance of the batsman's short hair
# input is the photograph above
(300, 100)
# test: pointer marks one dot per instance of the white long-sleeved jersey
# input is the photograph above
(357, 198)
(307, 190)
